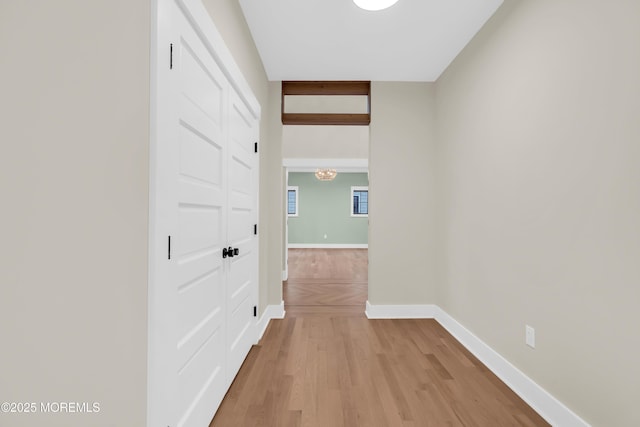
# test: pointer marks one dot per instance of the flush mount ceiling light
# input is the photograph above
(326, 174)
(374, 4)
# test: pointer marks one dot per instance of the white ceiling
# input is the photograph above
(414, 40)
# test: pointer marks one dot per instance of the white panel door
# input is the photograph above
(200, 233)
(203, 197)
(242, 280)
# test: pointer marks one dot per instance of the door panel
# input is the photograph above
(243, 132)
(199, 227)
(198, 379)
(197, 155)
(201, 201)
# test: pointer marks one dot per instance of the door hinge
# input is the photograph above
(255, 229)
(255, 311)
(255, 147)
(171, 56)
(169, 247)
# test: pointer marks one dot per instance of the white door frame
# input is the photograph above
(310, 165)
(161, 40)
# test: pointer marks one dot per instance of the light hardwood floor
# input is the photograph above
(327, 365)
(325, 281)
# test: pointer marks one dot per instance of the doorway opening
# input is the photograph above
(326, 238)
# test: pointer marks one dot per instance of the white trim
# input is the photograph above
(271, 312)
(156, 389)
(285, 273)
(328, 246)
(420, 311)
(340, 165)
(547, 406)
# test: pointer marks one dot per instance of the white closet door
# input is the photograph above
(200, 234)
(243, 161)
(203, 201)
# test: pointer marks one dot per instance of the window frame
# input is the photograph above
(295, 189)
(354, 189)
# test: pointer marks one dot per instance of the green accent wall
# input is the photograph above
(324, 208)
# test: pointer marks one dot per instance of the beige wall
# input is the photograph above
(325, 142)
(230, 23)
(539, 142)
(229, 20)
(402, 186)
(274, 202)
(74, 142)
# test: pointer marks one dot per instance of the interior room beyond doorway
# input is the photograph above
(327, 237)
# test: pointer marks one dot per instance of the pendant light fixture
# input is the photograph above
(374, 5)
(326, 174)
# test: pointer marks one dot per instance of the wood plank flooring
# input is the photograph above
(324, 281)
(328, 365)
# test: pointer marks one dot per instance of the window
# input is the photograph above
(359, 201)
(292, 201)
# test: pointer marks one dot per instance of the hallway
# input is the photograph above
(326, 364)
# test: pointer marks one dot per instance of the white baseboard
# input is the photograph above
(328, 246)
(549, 408)
(425, 311)
(271, 312)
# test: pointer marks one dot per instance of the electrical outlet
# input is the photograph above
(530, 336)
(325, 236)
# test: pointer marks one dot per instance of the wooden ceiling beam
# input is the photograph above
(326, 119)
(326, 88)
